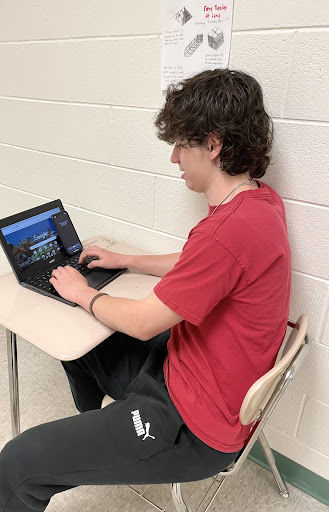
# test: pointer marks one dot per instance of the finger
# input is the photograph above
(94, 263)
(85, 253)
(82, 256)
(72, 270)
(57, 270)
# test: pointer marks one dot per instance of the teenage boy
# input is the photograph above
(183, 358)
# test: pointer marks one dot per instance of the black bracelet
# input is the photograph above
(93, 300)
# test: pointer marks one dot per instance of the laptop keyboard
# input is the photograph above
(42, 280)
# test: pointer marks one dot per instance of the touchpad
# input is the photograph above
(99, 276)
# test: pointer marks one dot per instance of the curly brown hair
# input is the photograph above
(228, 104)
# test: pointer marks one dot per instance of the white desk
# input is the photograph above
(62, 331)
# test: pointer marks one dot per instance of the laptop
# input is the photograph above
(34, 249)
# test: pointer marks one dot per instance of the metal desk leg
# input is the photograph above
(13, 381)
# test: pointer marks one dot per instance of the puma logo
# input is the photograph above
(139, 426)
(147, 426)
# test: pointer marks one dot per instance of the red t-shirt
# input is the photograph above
(232, 287)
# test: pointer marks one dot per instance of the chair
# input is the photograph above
(259, 402)
(257, 406)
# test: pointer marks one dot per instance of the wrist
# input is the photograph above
(127, 261)
(85, 296)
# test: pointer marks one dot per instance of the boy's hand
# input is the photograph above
(70, 284)
(106, 259)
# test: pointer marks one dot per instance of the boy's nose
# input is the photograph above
(175, 155)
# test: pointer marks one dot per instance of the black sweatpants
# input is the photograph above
(139, 439)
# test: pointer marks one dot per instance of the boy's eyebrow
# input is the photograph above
(181, 144)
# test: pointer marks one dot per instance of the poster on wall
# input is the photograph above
(196, 35)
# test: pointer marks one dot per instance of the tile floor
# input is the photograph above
(45, 396)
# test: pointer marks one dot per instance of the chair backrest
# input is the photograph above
(261, 391)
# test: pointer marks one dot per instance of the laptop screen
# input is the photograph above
(32, 243)
(33, 239)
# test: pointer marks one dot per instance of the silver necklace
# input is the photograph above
(249, 182)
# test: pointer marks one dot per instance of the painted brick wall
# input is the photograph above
(79, 87)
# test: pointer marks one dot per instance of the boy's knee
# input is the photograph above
(13, 463)
(9, 458)
(10, 471)
(19, 462)
(20, 458)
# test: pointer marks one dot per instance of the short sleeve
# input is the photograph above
(205, 273)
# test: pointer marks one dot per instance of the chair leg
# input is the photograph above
(271, 462)
(177, 498)
(219, 485)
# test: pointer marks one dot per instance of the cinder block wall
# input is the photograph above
(79, 87)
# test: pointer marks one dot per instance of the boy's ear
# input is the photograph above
(215, 145)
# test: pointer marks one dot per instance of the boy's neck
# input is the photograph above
(223, 184)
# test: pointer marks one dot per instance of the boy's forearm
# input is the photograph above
(156, 265)
(120, 314)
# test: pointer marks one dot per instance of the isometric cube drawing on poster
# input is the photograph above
(193, 45)
(183, 16)
(215, 38)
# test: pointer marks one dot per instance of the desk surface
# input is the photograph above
(63, 331)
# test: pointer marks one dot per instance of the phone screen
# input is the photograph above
(66, 232)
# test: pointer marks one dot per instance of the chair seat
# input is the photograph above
(107, 400)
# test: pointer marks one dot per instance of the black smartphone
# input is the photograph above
(67, 233)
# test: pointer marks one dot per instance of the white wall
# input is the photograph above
(79, 86)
